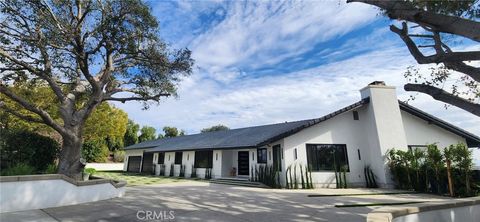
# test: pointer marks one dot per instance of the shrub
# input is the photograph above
(90, 171)
(51, 169)
(95, 151)
(18, 169)
(27, 147)
(434, 171)
(119, 156)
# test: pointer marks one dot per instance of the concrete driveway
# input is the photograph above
(200, 201)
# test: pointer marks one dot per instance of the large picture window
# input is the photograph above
(323, 157)
(203, 159)
(178, 157)
(161, 158)
(262, 155)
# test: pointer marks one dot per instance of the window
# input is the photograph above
(277, 163)
(161, 158)
(359, 157)
(203, 159)
(323, 156)
(295, 153)
(414, 147)
(178, 157)
(355, 115)
(188, 156)
(262, 155)
(216, 156)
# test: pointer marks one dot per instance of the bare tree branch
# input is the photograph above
(451, 60)
(137, 98)
(444, 96)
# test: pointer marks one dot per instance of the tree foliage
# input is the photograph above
(434, 170)
(147, 133)
(170, 131)
(218, 127)
(432, 30)
(131, 133)
(86, 52)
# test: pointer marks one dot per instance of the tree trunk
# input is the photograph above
(70, 164)
(449, 175)
(467, 182)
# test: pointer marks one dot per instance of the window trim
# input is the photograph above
(333, 144)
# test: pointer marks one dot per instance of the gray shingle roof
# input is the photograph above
(248, 137)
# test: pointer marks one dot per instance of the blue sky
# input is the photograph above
(268, 62)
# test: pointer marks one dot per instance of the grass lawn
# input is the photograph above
(137, 179)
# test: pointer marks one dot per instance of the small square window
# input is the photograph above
(355, 115)
(262, 155)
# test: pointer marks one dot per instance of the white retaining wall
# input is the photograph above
(18, 193)
(105, 166)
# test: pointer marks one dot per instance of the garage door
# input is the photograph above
(134, 163)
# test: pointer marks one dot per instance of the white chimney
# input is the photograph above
(384, 126)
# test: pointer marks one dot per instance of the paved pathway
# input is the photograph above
(199, 201)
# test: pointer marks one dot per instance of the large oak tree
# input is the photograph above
(86, 52)
(429, 29)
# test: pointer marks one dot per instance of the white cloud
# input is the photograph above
(253, 31)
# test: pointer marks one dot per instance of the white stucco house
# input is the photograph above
(361, 134)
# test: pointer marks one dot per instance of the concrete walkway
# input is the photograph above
(199, 201)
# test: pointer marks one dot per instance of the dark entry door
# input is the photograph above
(147, 165)
(134, 163)
(243, 163)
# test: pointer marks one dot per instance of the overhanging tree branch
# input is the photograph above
(448, 58)
(19, 115)
(47, 119)
(444, 96)
(449, 24)
(137, 98)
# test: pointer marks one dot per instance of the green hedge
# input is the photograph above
(428, 171)
(20, 148)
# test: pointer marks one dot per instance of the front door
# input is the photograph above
(243, 163)
(147, 165)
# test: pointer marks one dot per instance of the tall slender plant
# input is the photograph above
(434, 162)
(464, 163)
(302, 178)
(448, 154)
(295, 182)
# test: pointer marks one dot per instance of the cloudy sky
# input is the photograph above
(269, 62)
